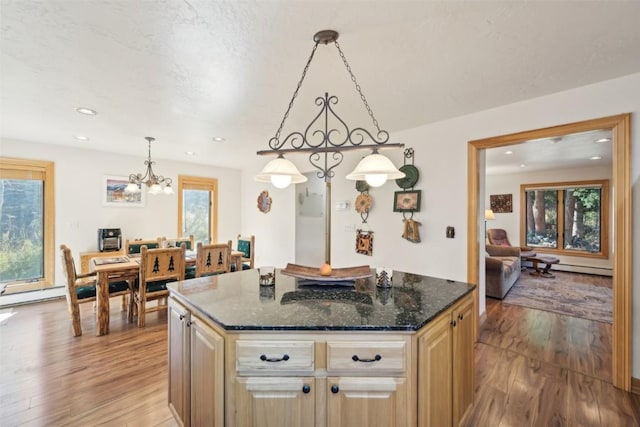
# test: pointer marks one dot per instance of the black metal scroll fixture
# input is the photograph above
(328, 135)
(325, 138)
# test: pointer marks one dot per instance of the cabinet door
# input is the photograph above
(463, 360)
(435, 406)
(207, 375)
(178, 363)
(362, 401)
(275, 401)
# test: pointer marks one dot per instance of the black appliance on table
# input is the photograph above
(109, 239)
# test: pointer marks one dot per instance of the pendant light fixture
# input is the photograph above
(156, 184)
(327, 137)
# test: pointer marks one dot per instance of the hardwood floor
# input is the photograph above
(50, 378)
(536, 368)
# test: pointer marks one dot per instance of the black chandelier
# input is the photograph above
(326, 138)
(156, 184)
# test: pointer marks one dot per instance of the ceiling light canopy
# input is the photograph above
(156, 184)
(327, 137)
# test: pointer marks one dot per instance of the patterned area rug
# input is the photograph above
(570, 294)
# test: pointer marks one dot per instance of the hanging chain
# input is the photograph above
(295, 94)
(353, 78)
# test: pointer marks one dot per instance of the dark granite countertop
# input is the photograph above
(236, 301)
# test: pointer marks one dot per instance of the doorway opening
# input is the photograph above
(621, 216)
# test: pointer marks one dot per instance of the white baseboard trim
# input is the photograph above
(32, 296)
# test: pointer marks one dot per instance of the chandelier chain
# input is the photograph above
(295, 93)
(355, 82)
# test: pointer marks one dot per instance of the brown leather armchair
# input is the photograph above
(498, 236)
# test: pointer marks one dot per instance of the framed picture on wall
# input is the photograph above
(501, 203)
(113, 193)
(406, 201)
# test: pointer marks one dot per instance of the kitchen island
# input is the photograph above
(303, 354)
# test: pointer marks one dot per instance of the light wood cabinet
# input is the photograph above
(179, 374)
(196, 369)
(445, 372)
(275, 401)
(463, 360)
(321, 378)
(362, 401)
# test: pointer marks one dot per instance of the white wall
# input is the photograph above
(441, 157)
(79, 211)
(510, 184)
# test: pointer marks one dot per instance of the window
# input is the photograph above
(197, 208)
(570, 218)
(26, 224)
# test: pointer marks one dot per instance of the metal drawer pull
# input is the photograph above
(335, 389)
(355, 358)
(264, 358)
(306, 388)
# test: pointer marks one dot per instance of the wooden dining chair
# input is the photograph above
(133, 247)
(189, 242)
(213, 259)
(190, 245)
(81, 288)
(157, 268)
(246, 245)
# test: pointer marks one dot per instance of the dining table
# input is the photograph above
(127, 267)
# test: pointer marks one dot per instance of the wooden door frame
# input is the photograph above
(620, 126)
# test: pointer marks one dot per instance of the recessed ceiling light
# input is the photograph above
(87, 111)
(604, 140)
(595, 158)
(190, 153)
(522, 165)
(81, 137)
(508, 152)
(218, 138)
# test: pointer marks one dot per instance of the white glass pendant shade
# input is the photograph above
(132, 188)
(168, 190)
(155, 189)
(280, 172)
(280, 181)
(375, 169)
(375, 180)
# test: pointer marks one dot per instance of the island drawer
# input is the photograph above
(366, 358)
(266, 357)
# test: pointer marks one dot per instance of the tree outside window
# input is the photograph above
(567, 217)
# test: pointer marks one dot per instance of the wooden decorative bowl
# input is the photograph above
(337, 274)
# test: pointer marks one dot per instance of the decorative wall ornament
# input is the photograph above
(364, 242)
(411, 231)
(501, 203)
(408, 201)
(410, 171)
(364, 201)
(264, 202)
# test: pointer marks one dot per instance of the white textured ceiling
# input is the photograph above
(185, 71)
